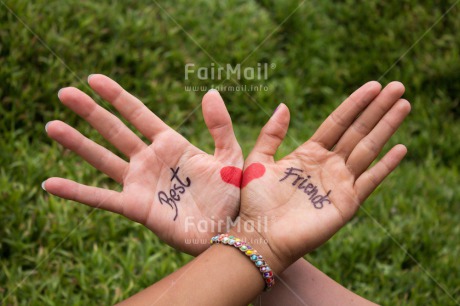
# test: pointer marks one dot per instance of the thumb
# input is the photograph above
(219, 124)
(271, 135)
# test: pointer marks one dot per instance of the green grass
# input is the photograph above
(57, 252)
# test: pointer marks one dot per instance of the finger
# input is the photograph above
(369, 118)
(271, 135)
(370, 146)
(370, 179)
(340, 119)
(96, 155)
(219, 123)
(107, 124)
(129, 106)
(92, 196)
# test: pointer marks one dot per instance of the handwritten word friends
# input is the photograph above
(174, 195)
(310, 189)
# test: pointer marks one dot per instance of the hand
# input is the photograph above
(310, 194)
(169, 185)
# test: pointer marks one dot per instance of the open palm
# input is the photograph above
(310, 194)
(169, 185)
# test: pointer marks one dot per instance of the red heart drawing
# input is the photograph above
(234, 175)
(254, 171)
(231, 175)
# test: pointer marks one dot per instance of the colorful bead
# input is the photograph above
(265, 269)
(249, 252)
(259, 263)
(244, 248)
(237, 244)
(231, 241)
(253, 257)
(268, 274)
(225, 240)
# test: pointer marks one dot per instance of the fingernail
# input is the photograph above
(89, 77)
(276, 109)
(43, 185)
(46, 126)
(59, 93)
(213, 90)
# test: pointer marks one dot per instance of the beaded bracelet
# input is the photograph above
(258, 260)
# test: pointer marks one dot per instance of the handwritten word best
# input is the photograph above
(310, 189)
(174, 195)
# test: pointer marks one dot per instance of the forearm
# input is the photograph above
(303, 284)
(219, 276)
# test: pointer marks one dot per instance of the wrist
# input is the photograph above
(258, 241)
